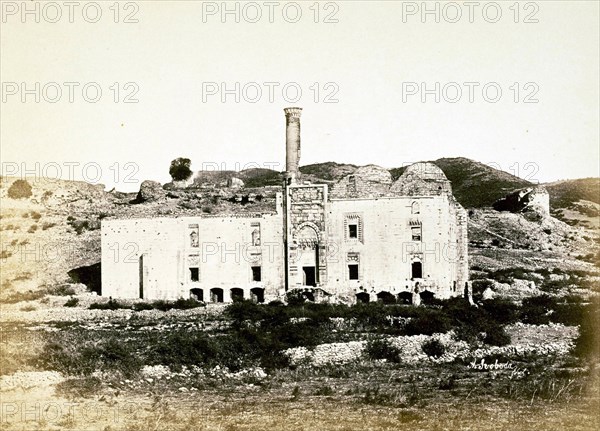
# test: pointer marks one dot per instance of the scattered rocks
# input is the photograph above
(534, 199)
(235, 183)
(29, 379)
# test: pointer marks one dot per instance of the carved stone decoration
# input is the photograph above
(353, 257)
(193, 260)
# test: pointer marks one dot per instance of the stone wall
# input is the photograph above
(153, 258)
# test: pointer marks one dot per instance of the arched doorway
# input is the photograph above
(362, 297)
(216, 294)
(307, 240)
(405, 298)
(257, 294)
(197, 294)
(427, 297)
(237, 294)
(308, 295)
(386, 298)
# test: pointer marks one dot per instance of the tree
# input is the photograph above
(19, 189)
(180, 169)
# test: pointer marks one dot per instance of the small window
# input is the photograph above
(352, 231)
(415, 208)
(416, 233)
(353, 272)
(256, 273)
(195, 274)
(255, 234)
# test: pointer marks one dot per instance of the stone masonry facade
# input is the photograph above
(365, 238)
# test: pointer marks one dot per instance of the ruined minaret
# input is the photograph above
(292, 159)
(292, 143)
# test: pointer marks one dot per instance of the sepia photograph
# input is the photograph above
(300, 215)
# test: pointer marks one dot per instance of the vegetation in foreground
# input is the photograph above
(222, 357)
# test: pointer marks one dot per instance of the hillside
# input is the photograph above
(57, 229)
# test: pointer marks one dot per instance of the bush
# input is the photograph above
(497, 337)
(433, 348)
(72, 302)
(241, 311)
(141, 306)
(32, 228)
(162, 305)
(19, 189)
(536, 309)
(110, 305)
(383, 349)
(61, 290)
(112, 354)
(502, 311)
(428, 323)
(587, 345)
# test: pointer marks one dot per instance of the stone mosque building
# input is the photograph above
(364, 238)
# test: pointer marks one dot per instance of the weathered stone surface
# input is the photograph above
(235, 183)
(150, 191)
(366, 181)
(488, 294)
(422, 179)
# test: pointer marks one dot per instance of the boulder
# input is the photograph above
(235, 183)
(531, 199)
(150, 191)
(488, 294)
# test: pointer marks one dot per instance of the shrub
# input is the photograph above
(502, 311)
(72, 302)
(110, 305)
(324, 391)
(19, 189)
(140, 306)
(241, 311)
(112, 354)
(162, 305)
(383, 349)
(497, 337)
(35, 215)
(433, 348)
(587, 345)
(32, 228)
(428, 323)
(61, 290)
(30, 295)
(536, 309)
(47, 225)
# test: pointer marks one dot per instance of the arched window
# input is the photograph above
(415, 208)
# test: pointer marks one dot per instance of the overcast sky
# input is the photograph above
(370, 64)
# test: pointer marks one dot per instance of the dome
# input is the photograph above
(424, 179)
(426, 171)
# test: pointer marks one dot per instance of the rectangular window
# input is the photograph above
(416, 233)
(195, 274)
(353, 272)
(352, 231)
(256, 273)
